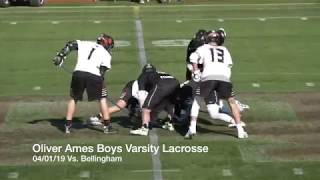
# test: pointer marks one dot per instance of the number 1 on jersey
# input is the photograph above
(91, 53)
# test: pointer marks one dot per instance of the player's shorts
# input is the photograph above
(166, 105)
(93, 85)
(164, 89)
(213, 90)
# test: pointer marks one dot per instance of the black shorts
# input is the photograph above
(166, 105)
(213, 90)
(163, 89)
(93, 85)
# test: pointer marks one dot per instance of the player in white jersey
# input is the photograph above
(93, 60)
(215, 77)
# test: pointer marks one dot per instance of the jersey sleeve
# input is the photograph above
(228, 58)
(107, 61)
(195, 57)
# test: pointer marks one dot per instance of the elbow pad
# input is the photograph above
(70, 46)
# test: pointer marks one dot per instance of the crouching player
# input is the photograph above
(155, 87)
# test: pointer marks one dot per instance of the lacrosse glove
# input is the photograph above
(59, 59)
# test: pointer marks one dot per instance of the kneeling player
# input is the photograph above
(154, 87)
(129, 99)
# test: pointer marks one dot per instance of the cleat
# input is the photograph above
(169, 126)
(109, 130)
(243, 135)
(141, 131)
(95, 121)
(67, 129)
(189, 135)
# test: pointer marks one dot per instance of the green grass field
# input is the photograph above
(274, 45)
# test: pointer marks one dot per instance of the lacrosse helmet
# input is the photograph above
(211, 36)
(148, 68)
(200, 34)
(221, 36)
(106, 41)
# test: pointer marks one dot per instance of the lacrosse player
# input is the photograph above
(129, 99)
(93, 60)
(197, 41)
(154, 87)
(214, 79)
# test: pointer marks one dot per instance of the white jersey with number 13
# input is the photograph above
(216, 60)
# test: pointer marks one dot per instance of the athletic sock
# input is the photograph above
(106, 123)
(68, 123)
(193, 126)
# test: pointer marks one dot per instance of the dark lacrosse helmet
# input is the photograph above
(106, 41)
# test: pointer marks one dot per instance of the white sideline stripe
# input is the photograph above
(179, 21)
(310, 84)
(13, 23)
(298, 171)
(142, 52)
(153, 137)
(97, 22)
(248, 18)
(190, 5)
(13, 175)
(220, 20)
(151, 170)
(156, 163)
(278, 73)
(226, 172)
(168, 19)
(256, 85)
(84, 174)
(101, 10)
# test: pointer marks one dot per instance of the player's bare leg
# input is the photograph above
(193, 121)
(144, 130)
(71, 109)
(237, 117)
(106, 117)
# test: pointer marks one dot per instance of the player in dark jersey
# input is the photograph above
(197, 41)
(129, 100)
(154, 87)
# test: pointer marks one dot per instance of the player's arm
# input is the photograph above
(106, 64)
(228, 59)
(62, 54)
(195, 59)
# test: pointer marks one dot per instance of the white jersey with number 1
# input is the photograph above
(216, 60)
(91, 56)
